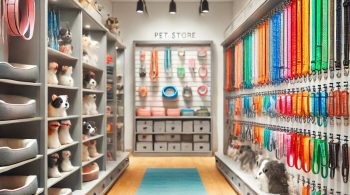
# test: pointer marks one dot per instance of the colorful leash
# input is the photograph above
(318, 36)
(313, 37)
(305, 37)
(331, 38)
(338, 37)
(345, 162)
(333, 155)
(325, 48)
(228, 68)
(346, 33)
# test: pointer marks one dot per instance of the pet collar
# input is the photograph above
(143, 91)
(142, 56)
(19, 21)
(202, 90)
(203, 71)
(202, 53)
(167, 60)
(187, 92)
(170, 92)
(142, 72)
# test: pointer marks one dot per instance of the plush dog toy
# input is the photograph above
(90, 50)
(65, 41)
(85, 152)
(51, 73)
(92, 149)
(53, 141)
(58, 106)
(89, 80)
(89, 129)
(65, 77)
(63, 133)
(273, 177)
(89, 104)
(66, 164)
(112, 24)
(53, 166)
(247, 158)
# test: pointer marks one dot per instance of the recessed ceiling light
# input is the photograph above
(88, 26)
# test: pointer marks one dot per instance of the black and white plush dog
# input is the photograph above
(273, 177)
(65, 41)
(247, 158)
(89, 80)
(89, 129)
(53, 166)
(58, 106)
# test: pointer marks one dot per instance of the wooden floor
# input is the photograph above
(214, 182)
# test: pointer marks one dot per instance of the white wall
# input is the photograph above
(142, 27)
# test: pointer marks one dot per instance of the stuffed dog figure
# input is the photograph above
(112, 24)
(53, 171)
(89, 80)
(89, 129)
(58, 106)
(63, 133)
(65, 41)
(65, 77)
(247, 158)
(53, 140)
(92, 149)
(85, 152)
(51, 73)
(89, 104)
(66, 164)
(90, 50)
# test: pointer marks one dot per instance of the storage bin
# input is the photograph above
(186, 147)
(201, 126)
(160, 146)
(187, 126)
(200, 138)
(173, 126)
(201, 147)
(174, 147)
(144, 126)
(161, 138)
(144, 138)
(159, 126)
(144, 146)
(187, 138)
(173, 138)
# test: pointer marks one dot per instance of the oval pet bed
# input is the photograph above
(18, 185)
(17, 150)
(19, 72)
(90, 172)
(16, 107)
(60, 191)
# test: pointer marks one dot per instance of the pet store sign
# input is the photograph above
(174, 35)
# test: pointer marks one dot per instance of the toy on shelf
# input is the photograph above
(63, 133)
(89, 129)
(91, 172)
(92, 149)
(85, 152)
(109, 110)
(58, 106)
(66, 164)
(51, 73)
(53, 139)
(109, 59)
(112, 24)
(89, 104)
(65, 41)
(89, 80)
(65, 77)
(90, 50)
(53, 171)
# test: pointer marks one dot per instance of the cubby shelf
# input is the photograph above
(10, 167)
(92, 138)
(25, 120)
(52, 181)
(92, 67)
(92, 160)
(172, 117)
(59, 55)
(13, 82)
(62, 87)
(92, 116)
(63, 118)
(92, 91)
(171, 133)
(51, 151)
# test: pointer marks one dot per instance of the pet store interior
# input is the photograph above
(174, 97)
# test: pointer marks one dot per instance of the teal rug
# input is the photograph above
(171, 182)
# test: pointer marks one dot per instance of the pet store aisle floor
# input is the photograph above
(213, 181)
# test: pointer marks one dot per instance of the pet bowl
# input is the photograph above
(187, 112)
(60, 191)
(18, 185)
(16, 107)
(170, 92)
(17, 150)
(90, 172)
(19, 72)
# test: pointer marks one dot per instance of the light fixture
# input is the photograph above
(204, 6)
(87, 26)
(140, 7)
(172, 7)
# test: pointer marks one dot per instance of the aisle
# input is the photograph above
(214, 182)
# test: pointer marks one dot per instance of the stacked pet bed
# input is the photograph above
(17, 150)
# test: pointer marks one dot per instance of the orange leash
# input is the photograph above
(228, 69)
(154, 72)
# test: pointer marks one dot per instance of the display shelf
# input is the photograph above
(39, 191)
(52, 181)
(91, 67)
(92, 116)
(92, 138)
(171, 133)
(59, 55)
(92, 91)
(110, 100)
(10, 167)
(13, 82)
(92, 160)
(171, 117)
(51, 151)
(62, 87)
(67, 4)
(25, 120)
(112, 37)
(63, 118)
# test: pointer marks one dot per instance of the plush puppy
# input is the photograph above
(89, 80)
(90, 50)
(247, 158)
(89, 104)
(112, 24)
(58, 106)
(273, 177)
(53, 166)
(66, 164)
(92, 149)
(233, 148)
(85, 152)
(89, 129)
(65, 77)
(65, 41)
(53, 141)
(51, 73)
(63, 133)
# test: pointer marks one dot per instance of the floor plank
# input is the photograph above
(214, 182)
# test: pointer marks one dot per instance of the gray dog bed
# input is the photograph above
(16, 107)
(18, 72)
(18, 185)
(17, 150)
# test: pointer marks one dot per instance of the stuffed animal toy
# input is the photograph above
(63, 133)
(112, 24)
(66, 164)
(85, 3)
(247, 158)
(65, 77)
(98, 6)
(273, 177)
(53, 171)
(51, 73)
(89, 129)
(92, 149)
(53, 140)
(109, 59)
(90, 50)
(85, 152)
(58, 106)
(89, 80)
(65, 41)
(89, 105)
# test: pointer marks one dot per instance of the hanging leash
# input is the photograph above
(305, 37)
(313, 38)
(325, 48)
(331, 38)
(345, 103)
(299, 39)
(346, 5)
(153, 73)
(338, 37)
(345, 160)
(333, 155)
(318, 37)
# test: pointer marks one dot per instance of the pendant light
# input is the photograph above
(172, 7)
(204, 7)
(140, 7)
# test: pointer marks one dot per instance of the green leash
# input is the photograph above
(320, 157)
(318, 35)
(313, 36)
(325, 37)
